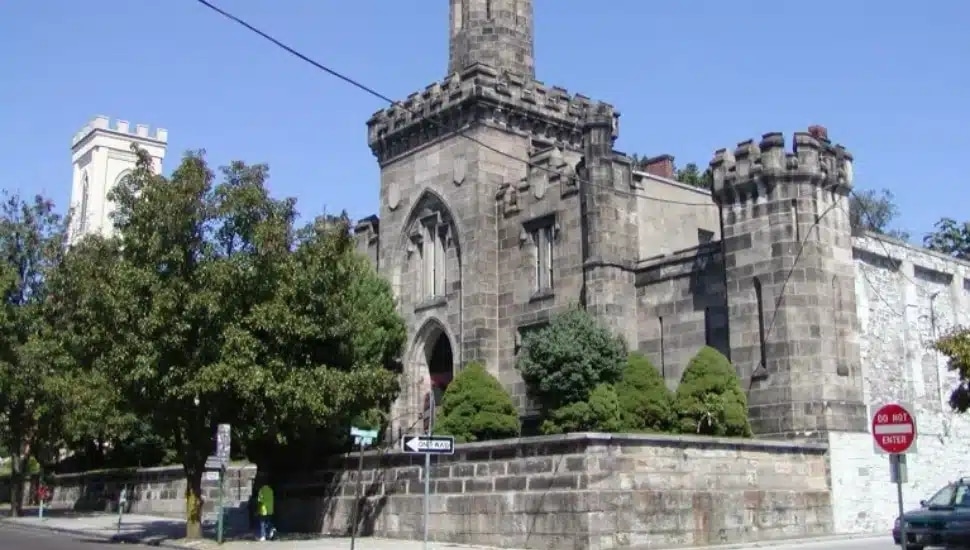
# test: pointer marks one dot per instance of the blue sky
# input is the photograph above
(889, 79)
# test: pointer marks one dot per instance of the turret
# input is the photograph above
(791, 282)
(497, 33)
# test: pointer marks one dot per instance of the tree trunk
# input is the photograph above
(16, 485)
(193, 503)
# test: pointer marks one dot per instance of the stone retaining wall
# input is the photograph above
(155, 491)
(578, 491)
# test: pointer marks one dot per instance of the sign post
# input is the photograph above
(223, 447)
(362, 438)
(894, 433)
(428, 444)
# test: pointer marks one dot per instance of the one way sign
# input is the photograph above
(425, 444)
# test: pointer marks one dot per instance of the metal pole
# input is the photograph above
(427, 467)
(354, 511)
(896, 462)
(220, 526)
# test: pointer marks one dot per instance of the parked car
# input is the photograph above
(943, 520)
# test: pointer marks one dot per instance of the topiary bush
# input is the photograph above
(476, 407)
(600, 413)
(646, 404)
(710, 400)
(562, 362)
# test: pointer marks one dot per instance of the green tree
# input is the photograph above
(562, 362)
(955, 345)
(225, 312)
(950, 237)
(476, 407)
(601, 412)
(31, 399)
(690, 174)
(875, 211)
(645, 401)
(709, 399)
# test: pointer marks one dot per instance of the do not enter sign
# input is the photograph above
(893, 429)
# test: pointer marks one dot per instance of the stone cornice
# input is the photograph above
(479, 95)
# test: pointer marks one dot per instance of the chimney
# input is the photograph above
(662, 166)
(818, 132)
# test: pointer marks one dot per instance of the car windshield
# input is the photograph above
(951, 495)
(943, 497)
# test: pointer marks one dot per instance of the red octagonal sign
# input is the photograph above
(893, 428)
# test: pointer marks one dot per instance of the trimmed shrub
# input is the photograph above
(600, 413)
(710, 400)
(476, 407)
(562, 362)
(646, 404)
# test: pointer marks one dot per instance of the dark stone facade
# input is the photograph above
(503, 202)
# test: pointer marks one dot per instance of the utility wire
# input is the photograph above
(363, 87)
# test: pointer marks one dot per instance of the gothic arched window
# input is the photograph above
(83, 207)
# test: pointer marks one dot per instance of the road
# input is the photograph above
(18, 538)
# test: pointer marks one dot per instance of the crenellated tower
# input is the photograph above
(497, 33)
(101, 154)
(791, 282)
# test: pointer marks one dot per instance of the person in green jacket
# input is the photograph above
(264, 509)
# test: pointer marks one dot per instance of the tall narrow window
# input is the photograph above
(794, 220)
(837, 303)
(83, 207)
(708, 328)
(663, 351)
(432, 261)
(763, 361)
(543, 239)
(488, 9)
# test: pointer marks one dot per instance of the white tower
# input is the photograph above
(102, 156)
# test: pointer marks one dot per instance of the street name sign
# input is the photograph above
(428, 444)
(893, 429)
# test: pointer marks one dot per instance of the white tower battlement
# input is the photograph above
(101, 155)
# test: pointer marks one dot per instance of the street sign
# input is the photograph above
(223, 441)
(429, 444)
(363, 437)
(893, 429)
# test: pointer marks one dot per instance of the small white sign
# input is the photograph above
(211, 475)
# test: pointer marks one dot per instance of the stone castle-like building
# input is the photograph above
(503, 202)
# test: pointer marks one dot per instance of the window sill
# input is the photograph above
(430, 303)
(542, 295)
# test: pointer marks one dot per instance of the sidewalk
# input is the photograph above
(169, 533)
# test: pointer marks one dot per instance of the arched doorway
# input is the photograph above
(441, 365)
(429, 369)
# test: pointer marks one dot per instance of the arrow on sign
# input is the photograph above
(423, 444)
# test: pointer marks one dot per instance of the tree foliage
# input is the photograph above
(33, 392)
(950, 237)
(601, 412)
(955, 345)
(210, 306)
(476, 407)
(645, 402)
(875, 211)
(690, 174)
(562, 362)
(709, 399)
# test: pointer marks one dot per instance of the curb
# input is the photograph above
(127, 539)
(789, 542)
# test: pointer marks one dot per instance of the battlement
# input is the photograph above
(104, 123)
(813, 159)
(508, 99)
(550, 175)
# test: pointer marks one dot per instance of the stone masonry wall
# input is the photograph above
(906, 297)
(682, 307)
(155, 491)
(579, 491)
